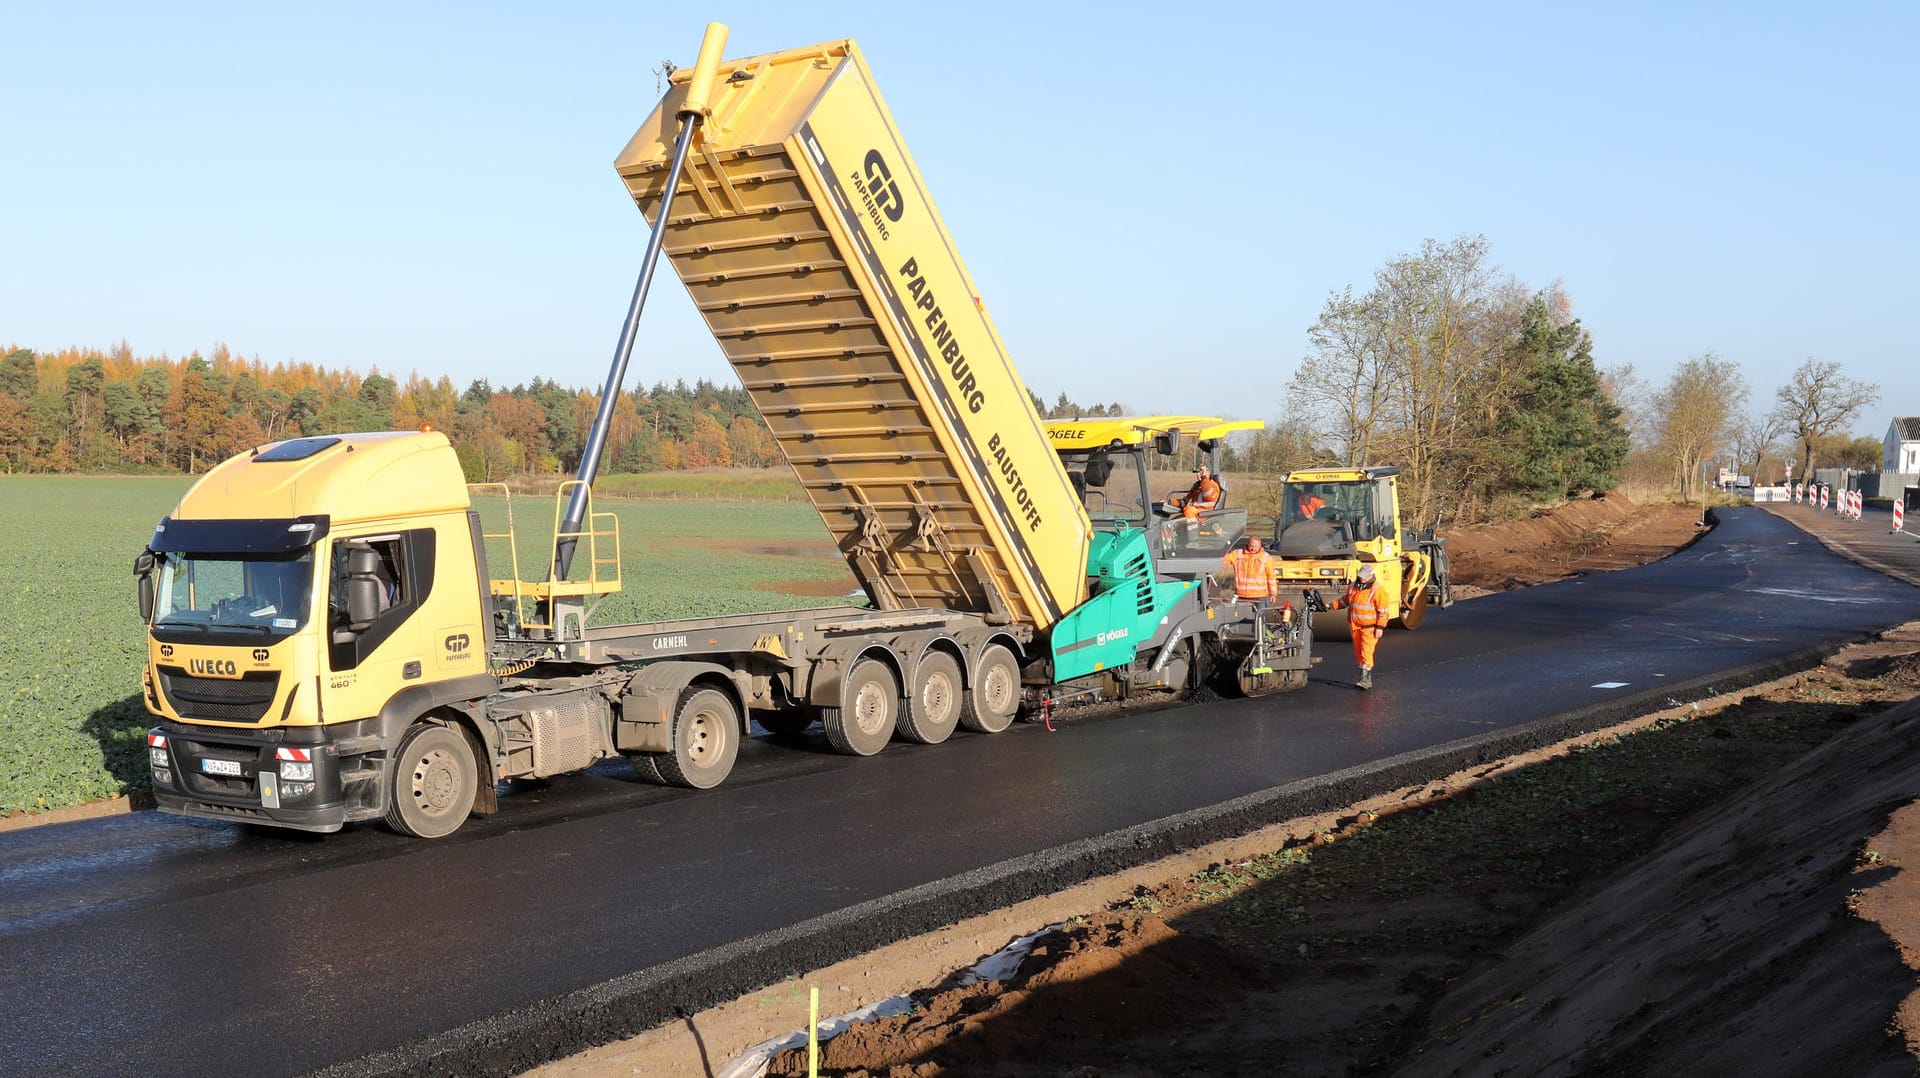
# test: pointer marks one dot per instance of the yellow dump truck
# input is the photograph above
(329, 640)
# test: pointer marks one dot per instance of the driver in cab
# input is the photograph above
(1308, 503)
(1203, 496)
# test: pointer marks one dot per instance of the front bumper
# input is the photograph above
(223, 774)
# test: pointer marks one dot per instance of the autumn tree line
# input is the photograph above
(83, 411)
(1483, 390)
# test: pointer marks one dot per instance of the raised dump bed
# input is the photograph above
(810, 244)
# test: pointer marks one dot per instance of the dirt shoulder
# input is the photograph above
(1410, 931)
(1592, 535)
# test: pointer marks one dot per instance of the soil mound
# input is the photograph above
(1735, 934)
(1610, 531)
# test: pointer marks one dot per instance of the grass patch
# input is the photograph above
(72, 724)
(734, 484)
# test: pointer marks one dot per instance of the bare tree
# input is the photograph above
(1754, 439)
(1694, 414)
(1345, 381)
(1405, 373)
(1631, 394)
(1817, 402)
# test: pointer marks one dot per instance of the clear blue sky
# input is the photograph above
(1154, 199)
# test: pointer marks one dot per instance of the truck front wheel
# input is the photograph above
(432, 782)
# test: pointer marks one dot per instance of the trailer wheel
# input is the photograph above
(431, 782)
(935, 708)
(869, 708)
(994, 696)
(706, 741)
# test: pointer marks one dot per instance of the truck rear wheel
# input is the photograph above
(994, 696)
(431, 782)
(706, 741)
(869, 708)
(934, 710)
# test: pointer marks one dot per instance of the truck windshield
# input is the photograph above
(255, 596)
(1108, 482)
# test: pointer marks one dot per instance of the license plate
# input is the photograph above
(221, 767)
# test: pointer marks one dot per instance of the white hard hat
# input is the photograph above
(1365, 576)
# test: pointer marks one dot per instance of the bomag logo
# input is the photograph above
(214, 667)
(885, 192)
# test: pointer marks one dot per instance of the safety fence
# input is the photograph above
(1846, 504)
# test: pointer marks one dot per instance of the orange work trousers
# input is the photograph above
(1363, 643)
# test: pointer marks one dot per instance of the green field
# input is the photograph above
(72, 724)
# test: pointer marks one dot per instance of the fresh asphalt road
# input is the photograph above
(156, 945)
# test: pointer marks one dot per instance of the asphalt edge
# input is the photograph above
(626, 1006)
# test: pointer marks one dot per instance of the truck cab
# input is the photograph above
(301, 600)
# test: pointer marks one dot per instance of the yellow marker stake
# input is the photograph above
(813, 1032)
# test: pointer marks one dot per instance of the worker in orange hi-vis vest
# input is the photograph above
(1307, 504)
(1366, 603)
(1255, 573)
(1204, 495)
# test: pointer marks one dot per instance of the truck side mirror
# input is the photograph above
(365, 588)
(143, 571)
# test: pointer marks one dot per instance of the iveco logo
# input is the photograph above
(458, 643)
(886, 193)
(214, 667)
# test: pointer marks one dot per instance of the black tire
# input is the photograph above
(868, 712)
(706, 741)
(788, 723)
(993, 697)
(431, 782)
(646, 766)
(938, 695)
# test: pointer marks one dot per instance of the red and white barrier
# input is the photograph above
(1823, 496)
(1899, 517)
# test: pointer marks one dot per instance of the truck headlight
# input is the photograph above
(163, 776)
(158, 758)
(295, 772)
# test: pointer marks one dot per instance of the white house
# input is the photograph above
(1903, 445)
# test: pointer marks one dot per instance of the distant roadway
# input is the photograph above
(595, 906)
